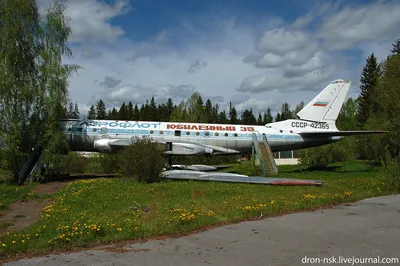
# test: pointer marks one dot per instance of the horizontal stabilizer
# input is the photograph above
(340, 133)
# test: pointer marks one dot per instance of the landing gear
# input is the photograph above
(168, 157)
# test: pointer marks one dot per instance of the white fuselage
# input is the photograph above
(281, 135)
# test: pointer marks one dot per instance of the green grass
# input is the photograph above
(105, 210)
(11, 193)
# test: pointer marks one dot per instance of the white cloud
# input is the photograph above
(216, 56)
(378, 21)
(90, 19)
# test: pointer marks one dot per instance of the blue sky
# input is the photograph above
(255, 54)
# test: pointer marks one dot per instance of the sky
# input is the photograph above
(254, 53)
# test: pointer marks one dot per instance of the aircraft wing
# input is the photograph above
(340, 133)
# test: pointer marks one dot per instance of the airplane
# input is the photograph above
(315, 126)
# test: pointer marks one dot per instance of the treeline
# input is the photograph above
(192, 110)
(377, 107)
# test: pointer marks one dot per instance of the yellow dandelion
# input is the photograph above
(3, 245)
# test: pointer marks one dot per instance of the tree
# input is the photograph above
(215, 114)
(123, 112)
(170, 106)
(388, 115)
(208, 111)
(136, 113)
(75, 113)
(130, 111)
(233, 119)
(285, 112)
(92, 112)
(278, 117)
(268, 117)
(179, 114)
(152, 111)
(195, 109)
(248, 117)
(367, 99)
(222, 118)
(299, 107)
(33, 79)
(396, 47)
(259, 120)
(70, 113)
(347, 119)
(101, 112)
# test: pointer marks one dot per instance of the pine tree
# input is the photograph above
(215, 114)
(114, 114)
(208, 111)
(278, 117)
(396, 47)
(248, 117)
(70, 113)
(101, 112)
(152, 112)
(92, 112)
(222, 118)
(76, 114)
(259, 120)
(130, 111)
(233, 119)
(136, 113)
(170, 107)
(369, 81)
(123, 112)
(285, 112)
(268, 117)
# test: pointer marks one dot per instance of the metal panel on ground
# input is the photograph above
(236, 178)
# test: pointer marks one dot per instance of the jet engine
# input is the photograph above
(102, 145)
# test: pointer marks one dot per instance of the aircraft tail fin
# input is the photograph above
(325, 107)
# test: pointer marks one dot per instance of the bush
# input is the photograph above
(142, 160)
(320, 157)
(109, 163)
(391, 174)
(74, 163)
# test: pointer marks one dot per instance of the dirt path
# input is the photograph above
(25, 213)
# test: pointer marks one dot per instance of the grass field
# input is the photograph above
(94, 211)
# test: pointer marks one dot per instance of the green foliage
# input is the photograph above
(320, 157)
(248, 117)
(142, 160)
(74, 163)
(109, 163)
(92, 112)
(10, 193)
(368, 95)
(107, 210)
(267, 118)
(33, 80)
(101, 110)
(396, 47)
(391, 174)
